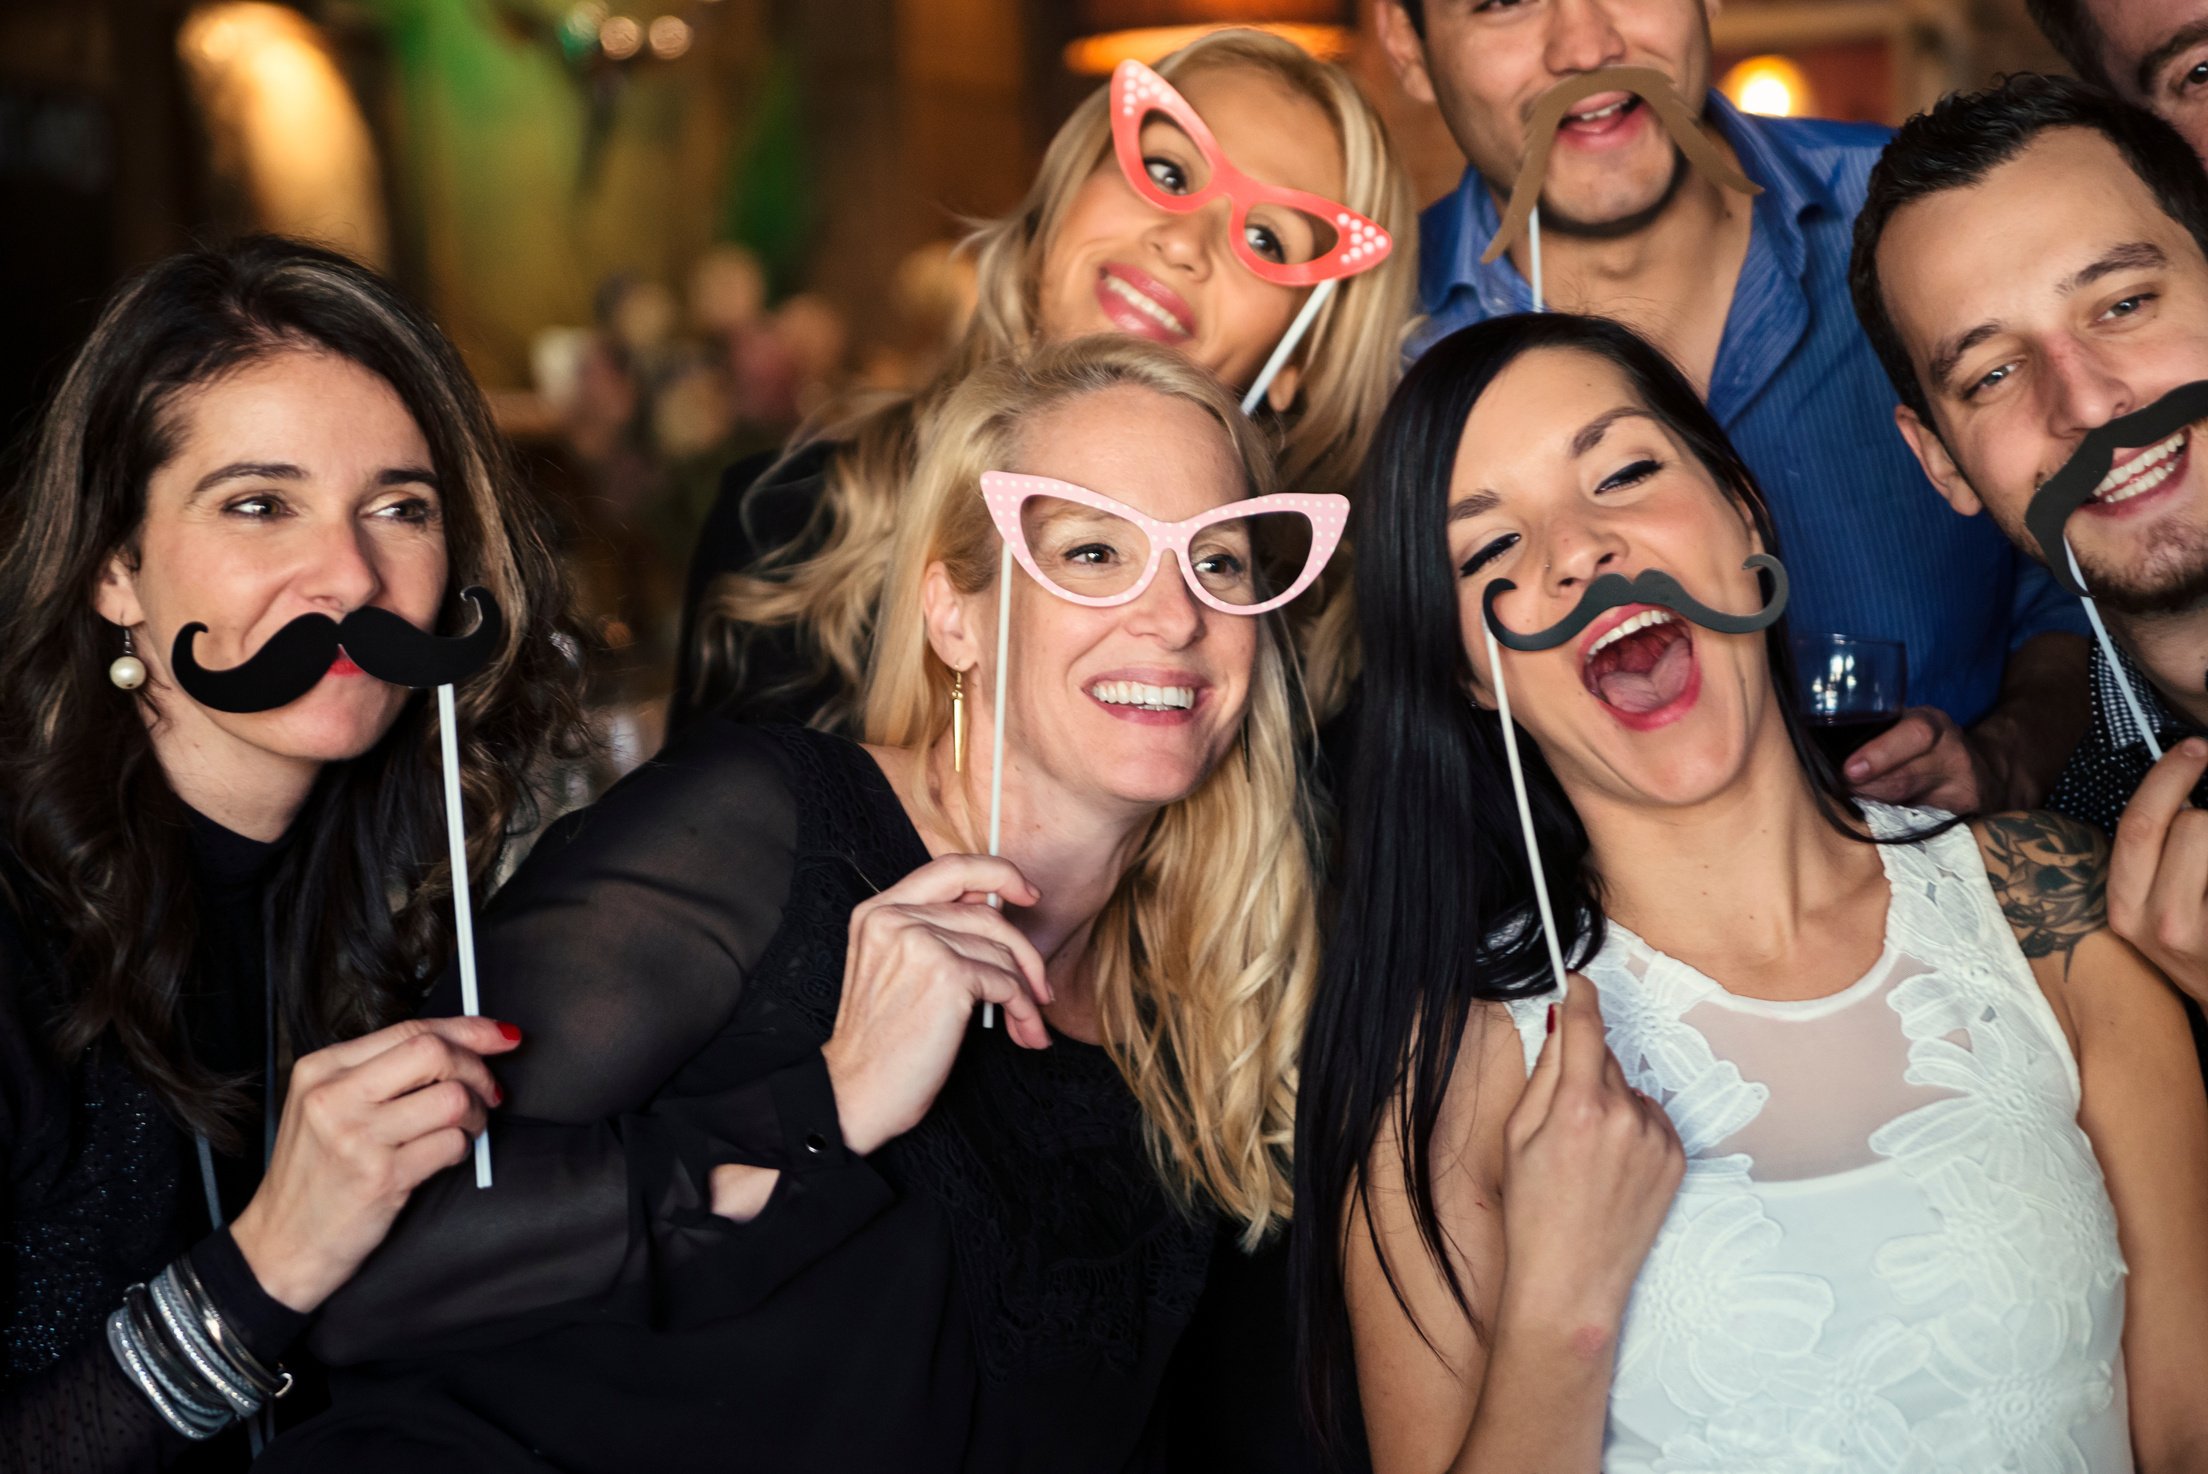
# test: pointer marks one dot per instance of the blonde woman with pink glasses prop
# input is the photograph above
(1239, 205)
(814, 1218)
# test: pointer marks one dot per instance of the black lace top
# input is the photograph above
(1000, 1288)
(99, 1188)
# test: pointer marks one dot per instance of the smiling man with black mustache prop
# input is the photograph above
(2033, 266)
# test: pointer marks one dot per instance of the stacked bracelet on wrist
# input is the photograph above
(193, 1368)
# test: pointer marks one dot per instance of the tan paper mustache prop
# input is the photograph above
(1651, 87)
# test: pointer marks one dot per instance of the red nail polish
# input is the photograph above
(512, 1033)
(1552, 1018)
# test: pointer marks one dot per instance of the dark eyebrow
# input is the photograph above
(408, 476)
(1590, 435)
(1944, 360)
(1472, 505)
(247, 471)
(2156, 59)
(2130, 256)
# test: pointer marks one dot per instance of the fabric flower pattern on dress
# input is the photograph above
(1705, 1318)
(2000, 1258)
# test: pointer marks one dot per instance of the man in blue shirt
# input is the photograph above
(1751, 298)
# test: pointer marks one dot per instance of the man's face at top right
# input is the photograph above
(1487, 63)
(2038, 304)
(2156, 54)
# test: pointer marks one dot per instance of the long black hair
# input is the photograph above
(1436, 911)
(93, 835)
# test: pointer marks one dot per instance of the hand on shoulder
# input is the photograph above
(2158, 870)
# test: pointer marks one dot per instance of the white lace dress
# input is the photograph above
(1893, 1249)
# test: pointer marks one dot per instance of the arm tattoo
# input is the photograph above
(2051, 876)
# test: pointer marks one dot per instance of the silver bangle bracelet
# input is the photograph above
(175, 1376)
(122, 1341)
(177, 1321)
(219, 1338)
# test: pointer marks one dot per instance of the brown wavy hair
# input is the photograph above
(359, 907)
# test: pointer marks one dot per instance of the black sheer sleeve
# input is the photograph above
(621, 949)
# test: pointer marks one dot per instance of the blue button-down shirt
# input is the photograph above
(1871, 548)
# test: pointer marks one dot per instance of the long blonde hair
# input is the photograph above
(1350, 364)
(1205, 956)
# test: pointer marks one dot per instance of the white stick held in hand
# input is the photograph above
(1525, 810)
(996, 741)
(463, 908)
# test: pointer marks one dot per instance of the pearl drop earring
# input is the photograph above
(128, 672)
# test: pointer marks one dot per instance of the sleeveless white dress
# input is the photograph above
(1893, 1249)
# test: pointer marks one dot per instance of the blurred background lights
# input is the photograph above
(620, 37)
(1769, 85)
(670, 37)
(283, 126)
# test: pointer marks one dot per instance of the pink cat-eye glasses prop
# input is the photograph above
(1319, 239)
(1242, 558)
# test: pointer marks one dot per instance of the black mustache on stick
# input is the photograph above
(2072, 487)
(297, 656)
(1649, 586)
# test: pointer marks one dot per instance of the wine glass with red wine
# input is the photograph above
(1851, 690)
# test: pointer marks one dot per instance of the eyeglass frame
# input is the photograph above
(1360, 243)
(1005, 492)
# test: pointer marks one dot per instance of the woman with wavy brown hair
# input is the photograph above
(788, 572)
(192, 899)
(808, 1214)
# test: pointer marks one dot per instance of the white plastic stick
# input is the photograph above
(2108, 652)
(1288, 342)
(463, 909)
(1525, 809)
(996, 741)
(1533, 243)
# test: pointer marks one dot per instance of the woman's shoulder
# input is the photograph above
(765, 501)
(724, 777)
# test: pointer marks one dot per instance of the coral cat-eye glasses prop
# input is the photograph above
(1309, 238)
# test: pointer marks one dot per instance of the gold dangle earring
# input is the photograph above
(958, 721)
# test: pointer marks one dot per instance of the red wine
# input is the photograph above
(1839, 737)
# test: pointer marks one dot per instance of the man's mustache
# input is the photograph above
(2070, 488)
(1651, 87)
(1649, 586)
(297, 656)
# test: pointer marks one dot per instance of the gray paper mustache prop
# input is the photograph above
(2072, 487)
(1649, 586)
(297, 656)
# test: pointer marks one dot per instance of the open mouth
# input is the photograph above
(1603, 117)
(1141, 696)
(2151, 468)
(1137, 305)
(1642, 664)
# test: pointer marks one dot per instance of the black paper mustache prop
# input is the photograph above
(2073, 486)
(1649, 586)
(297, 656)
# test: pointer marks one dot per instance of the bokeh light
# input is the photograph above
(1769, 85)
